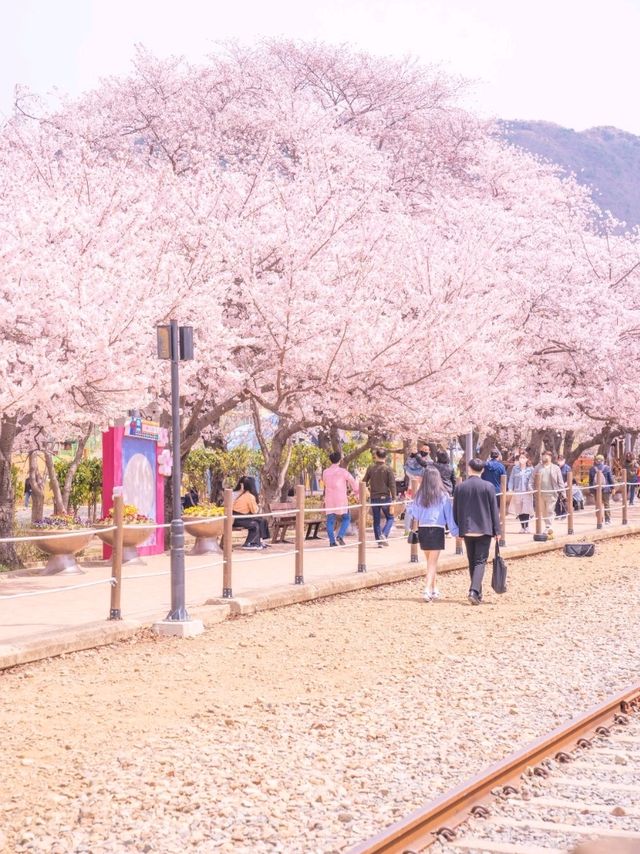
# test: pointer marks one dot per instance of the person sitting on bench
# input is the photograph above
(246, 504)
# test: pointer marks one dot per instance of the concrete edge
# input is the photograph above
(93, 635)
(88, 636)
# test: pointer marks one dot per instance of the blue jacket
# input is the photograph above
(437, 516)
(492, 472)
(607, 476)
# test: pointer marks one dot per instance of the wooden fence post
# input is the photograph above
(538, 489)
(503, 510)
(227, 592)
(362, 527)
(299, 579)
(569, 500)
(116, 554)
(625, 499)
(599, 513)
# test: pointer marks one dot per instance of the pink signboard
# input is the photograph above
(130, 460)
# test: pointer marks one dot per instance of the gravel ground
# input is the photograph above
(308, 728)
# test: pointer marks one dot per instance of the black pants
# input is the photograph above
(477, 556)
(524, 520)
(253, 529)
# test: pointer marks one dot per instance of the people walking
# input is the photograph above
(600, 474)
(447, 471)
(631, 468)
(475, 512)
(246, 504)
(432, 510)
(551, 484)
(521, 485)
(28, 491)
(493, 471)
(381, 480)
(336, 482)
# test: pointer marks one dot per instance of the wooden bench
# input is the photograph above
(280, 524)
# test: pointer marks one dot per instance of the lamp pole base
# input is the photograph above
(179, 628)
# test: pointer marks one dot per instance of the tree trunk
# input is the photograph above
(535, 446)
(58, 501)
(37, 487)
(488, 444)
(276, 463)
(359, 450)
(567, 443)
(8, 431)
(73, 468)
(216, 480)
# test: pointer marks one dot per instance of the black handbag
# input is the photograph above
(580, 549)
(412, 539)
(499, 574)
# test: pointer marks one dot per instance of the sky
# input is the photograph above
(573, 62)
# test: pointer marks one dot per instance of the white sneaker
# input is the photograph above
(435, 594)
(427, 595)
(384, 540)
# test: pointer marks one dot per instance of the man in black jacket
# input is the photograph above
(476, 515)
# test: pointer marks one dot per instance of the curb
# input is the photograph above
(93, 635)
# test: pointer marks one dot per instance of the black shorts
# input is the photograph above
(431, 538)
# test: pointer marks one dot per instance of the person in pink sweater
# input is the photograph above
(336, 482)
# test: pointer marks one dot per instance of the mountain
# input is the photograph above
(605, 158)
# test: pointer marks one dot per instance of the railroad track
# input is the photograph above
(579, 782)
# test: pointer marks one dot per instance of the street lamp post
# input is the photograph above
(176, 343)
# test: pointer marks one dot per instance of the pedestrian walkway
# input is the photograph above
(257, 578)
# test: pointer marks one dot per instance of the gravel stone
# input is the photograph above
(360, 708)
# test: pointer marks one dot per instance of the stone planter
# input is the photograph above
(61, 550)
(207, 531)
(131, 539)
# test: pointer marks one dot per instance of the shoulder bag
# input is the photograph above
(499, 574)
(580, 549)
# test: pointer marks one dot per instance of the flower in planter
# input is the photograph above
(130, 516)
(61, 521)
(203, 511)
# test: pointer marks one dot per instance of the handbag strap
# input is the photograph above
(497, 551)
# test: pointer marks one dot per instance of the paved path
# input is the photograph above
(146, 590)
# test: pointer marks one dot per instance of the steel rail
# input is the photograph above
(420, 829)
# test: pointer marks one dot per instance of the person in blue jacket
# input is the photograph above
(493, 471)
(433, 511)
(599, 473)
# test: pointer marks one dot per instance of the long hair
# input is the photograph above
(249, 485)
(432, 489)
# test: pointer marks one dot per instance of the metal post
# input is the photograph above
(227, 545)
(503, 509)
(538, 490)
(625, 499)
(299, 579)
(599, 513)
(414, 523)
(116, 554)
(178, 607)
(569, 499)
(362, 527)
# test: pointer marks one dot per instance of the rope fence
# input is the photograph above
(296, 515)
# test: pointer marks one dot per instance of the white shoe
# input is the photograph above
(427, 595)
(435, 594)
(384, 540)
